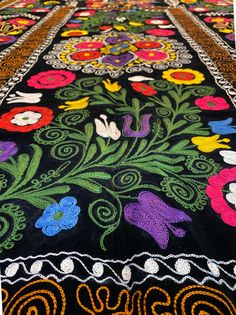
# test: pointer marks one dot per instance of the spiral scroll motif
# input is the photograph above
(202, 166)
(199, 299)
(12, 222)
(189, 194)
(44, 297)
(126, 179)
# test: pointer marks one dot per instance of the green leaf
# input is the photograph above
(142, 146)
(179, 124)
(95, 175)
(34, 164)
(166, 101)
(91, 152)
(185, 96)
(90, 185)
(112, 159)
(88, 131)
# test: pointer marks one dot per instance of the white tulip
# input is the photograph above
(139, 78)
(20, 97)
(229, 156)
(106, 130)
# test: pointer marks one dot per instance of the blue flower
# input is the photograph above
(222, 127)
(58, 217)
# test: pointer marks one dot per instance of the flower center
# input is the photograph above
(181, 75)
(211, 104)
(58, 215)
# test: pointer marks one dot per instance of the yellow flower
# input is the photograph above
(209, 144)
(51, 2)
(79, 104)
(74, 32)
(188, 1)
(135, 23)
(112, 87)
(226, 30)
(183, 76)
(119, 28)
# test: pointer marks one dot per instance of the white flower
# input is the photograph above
(20, 97)
(121, 19)
(139, 78)
(229, 156)
(26, 118)
(231, 197)
(106, 130)
(166, 26)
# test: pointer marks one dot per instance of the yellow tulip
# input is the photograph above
(119, 28)
(135, 23)
(226, 30)
(79, 104)
(112, 87)
(209, 144)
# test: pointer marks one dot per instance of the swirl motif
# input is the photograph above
(163, 112)
(202, 90)
(105, 215)
(126, 179)
(192, 117)
(199, 299)
(65, 150)
(188, 193)
(68, 93)
(3, 181)
(50, 135)
(12, 221)
(162, 85)
(86, 83)
(202, 166)
(37, 297)
(73, 117)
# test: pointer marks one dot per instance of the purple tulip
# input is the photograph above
(117, 61)
(145, 126)
(155, 217)
(117, 39)
(7, 149)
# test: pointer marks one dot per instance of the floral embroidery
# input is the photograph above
(215, 192)
(25, 119)
(183, 76)
(223, 127)
(21, 97)
(145, 126)
(7, 149)
(155, 217)
(113, 53)
(229, 156)
(209, 144)
(58, 217)
(143, 88)
(112, 87)
(212, 103)
(51, 79)
(106, 130)
(79, 104)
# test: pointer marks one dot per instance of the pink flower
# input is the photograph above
(215, 192)
(89, 45)
(152, 55)
(212, 103)
(85, 13)
(159, 32)
(51, 79)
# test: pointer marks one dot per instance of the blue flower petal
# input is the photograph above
(51, 230)
(68, 201)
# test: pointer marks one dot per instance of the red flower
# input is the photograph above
(147, 44)
(85, 55)
(159, 32)
(25, 119)
(212, 103)
(51, 79)
(215, 192)
(143, 88)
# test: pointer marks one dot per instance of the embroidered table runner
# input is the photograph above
(117, 157)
